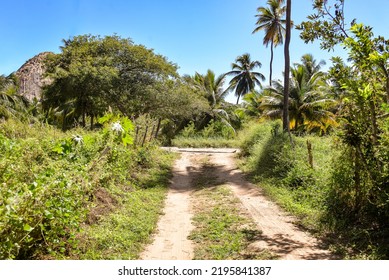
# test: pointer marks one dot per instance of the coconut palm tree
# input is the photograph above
(270, 19)
(252, 103)
(211, 87)
(12, 104)
(309, 104)
(310, 65)
(244, 79)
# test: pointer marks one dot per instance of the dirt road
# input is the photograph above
(170, 242)
(279, 234)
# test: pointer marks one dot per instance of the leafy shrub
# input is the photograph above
(41, 200)
(189, 130)
(218, 129)
(48, 179)
(284, 171)
(252, 133)
(211, 130)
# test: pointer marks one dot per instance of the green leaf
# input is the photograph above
(105, 118)
(127, 140)
(48, 214)
(127, 124)
(58, 149)
(27, 227)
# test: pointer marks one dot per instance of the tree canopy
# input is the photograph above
(245, 79)
(270, 19)
(93, 73)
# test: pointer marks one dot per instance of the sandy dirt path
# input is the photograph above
(170, 241)
(279, 234)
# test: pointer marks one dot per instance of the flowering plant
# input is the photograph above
(117, 127)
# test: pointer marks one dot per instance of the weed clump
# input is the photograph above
(54, 185)
(285, 170)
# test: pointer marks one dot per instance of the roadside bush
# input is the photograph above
(49, 179)
(284, 171)
(336, 196)
(213, 129)
(253, 132)
(215, 135)
(42, 198)
(189, 130)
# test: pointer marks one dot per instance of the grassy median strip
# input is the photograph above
(223, 230)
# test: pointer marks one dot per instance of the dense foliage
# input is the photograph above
(310, 105)
(333, 172)
(51, 183)
(93, 74)
(12, 105)
(360, 185)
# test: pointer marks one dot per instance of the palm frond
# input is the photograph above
(310, 105)
(245, 79)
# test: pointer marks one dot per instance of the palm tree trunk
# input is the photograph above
(285, 113)
(271, 62)
(237, 101)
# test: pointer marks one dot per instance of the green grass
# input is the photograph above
(57, 195)
(123, 233)
(223, 230)
(284, 172)
(203, 142)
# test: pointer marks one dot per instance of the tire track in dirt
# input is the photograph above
(279, 234)
(170, 241)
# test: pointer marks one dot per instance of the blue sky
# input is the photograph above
(195, 34)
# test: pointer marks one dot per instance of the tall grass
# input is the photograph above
(203, 142)
(284, 171)
(56, 186)
(215, 135)
(320, 195)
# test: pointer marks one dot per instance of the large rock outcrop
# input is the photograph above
(31, 78)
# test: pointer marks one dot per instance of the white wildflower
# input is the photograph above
(78, 139)
(117, 127)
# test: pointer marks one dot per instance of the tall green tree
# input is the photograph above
(309, 102)
(245, 79)
(270, 19)
(360, 189)
(92, 74)
(12, 105)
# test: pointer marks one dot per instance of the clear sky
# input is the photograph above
(195, 34)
